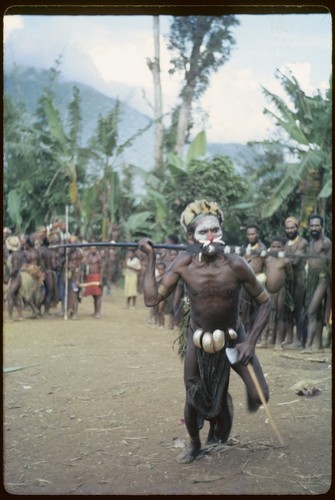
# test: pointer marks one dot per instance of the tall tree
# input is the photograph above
(154, 67)
(200, 45)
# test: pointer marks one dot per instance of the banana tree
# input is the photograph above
(67, 153)
(309, 130)
(105, 144)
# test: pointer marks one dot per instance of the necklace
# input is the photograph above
(292, 242)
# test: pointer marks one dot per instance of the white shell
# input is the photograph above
(207, 343)
(261, 278)
(232, 334)
(218, 340)
(197, 337)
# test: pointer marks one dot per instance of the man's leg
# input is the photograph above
(13, 298)
(97, 305)
(313, 314)
(299, 314)
(190, 414)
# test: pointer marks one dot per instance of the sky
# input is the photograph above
(109, 53)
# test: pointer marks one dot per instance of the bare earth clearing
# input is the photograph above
(93, 407)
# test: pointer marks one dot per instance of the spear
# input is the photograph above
(191, 248)
(124, 244)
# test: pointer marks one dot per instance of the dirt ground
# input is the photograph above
(94, 407)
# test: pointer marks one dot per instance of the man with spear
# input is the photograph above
(214, 281)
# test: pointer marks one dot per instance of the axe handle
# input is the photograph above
(262, 398)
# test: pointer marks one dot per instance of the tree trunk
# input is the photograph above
(158, 110)
(183, 120)
(187, 94)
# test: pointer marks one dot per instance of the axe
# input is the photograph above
(232, 355)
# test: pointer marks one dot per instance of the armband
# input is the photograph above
(262, 297)
(162, 291)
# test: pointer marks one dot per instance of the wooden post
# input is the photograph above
(66, 261)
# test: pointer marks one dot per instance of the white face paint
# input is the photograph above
(207, 229)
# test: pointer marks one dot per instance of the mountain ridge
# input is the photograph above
(25, 85)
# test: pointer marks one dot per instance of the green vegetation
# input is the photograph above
(48, 166)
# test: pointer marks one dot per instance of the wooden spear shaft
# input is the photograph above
(120, 244)
(192, 248)
(264, 403)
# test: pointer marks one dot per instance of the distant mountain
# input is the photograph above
(25, 85)
(240, 154)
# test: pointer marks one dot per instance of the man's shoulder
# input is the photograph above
(300, 244)
(302, 241)
(235, 260)
(183, 259)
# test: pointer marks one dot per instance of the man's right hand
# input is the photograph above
(146, 246)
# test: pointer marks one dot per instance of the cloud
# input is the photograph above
(302, 72)
(10, 24)
(235, 106)
(109, 52)
(122, 63)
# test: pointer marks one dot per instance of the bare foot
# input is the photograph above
(189, 455)
(291, 345)
(262, 345)
(307, 350)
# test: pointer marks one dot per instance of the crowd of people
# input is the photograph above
(297, 275)
(41, 277)
(221, 299)
(295, 272)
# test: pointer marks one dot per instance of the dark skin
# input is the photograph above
(213, 286)
(298, 285)
(49, 261)
(74, 265)
(319, 246)
(14, 285)
(256, 261)
(31, 255)
(278, 270)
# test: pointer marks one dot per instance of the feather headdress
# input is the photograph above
(197, 208)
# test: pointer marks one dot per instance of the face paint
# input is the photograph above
(207, 229)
